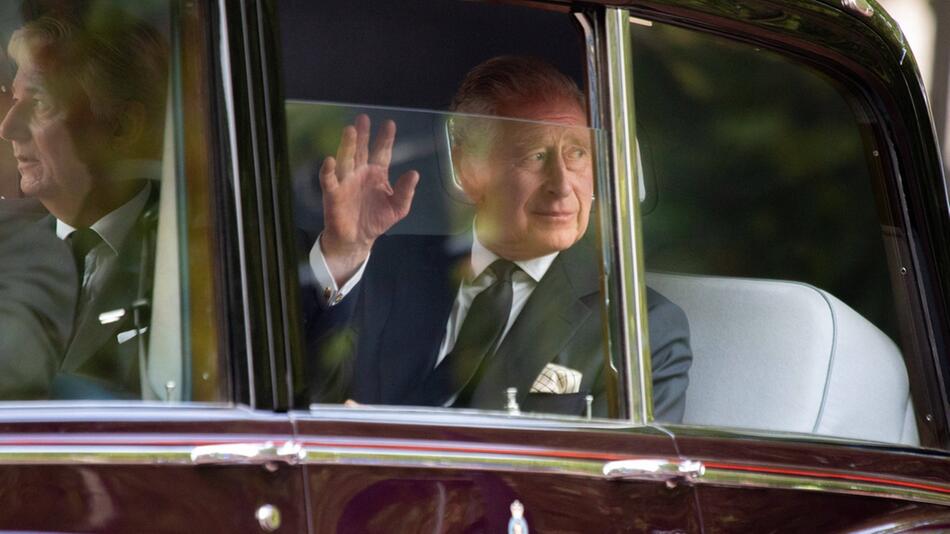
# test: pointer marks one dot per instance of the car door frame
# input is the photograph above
(614, 456)
(756, 468)
(121, 458)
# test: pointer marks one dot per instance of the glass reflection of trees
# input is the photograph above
(759, 169)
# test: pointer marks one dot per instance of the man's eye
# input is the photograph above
(41, 105)
(534, 158)
(576, 153)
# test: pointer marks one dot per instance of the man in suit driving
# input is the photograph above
(414, 320)
(86, 125)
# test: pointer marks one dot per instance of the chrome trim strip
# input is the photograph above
(593, 81)
(228, 90)
(323, 455)
(731, 478)
(258, 450)
(96, 455)
(626, 196)
(463, 418)
(861, 7)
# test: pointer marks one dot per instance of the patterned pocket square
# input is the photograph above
(557, 379)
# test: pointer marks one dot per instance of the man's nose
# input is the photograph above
(559, 177)
(14, 126)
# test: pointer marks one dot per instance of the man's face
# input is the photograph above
(37, 127)
(533, 189)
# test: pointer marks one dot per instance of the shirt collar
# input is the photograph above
(482, 258)
(115, 225)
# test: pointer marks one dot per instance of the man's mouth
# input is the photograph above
(26, 161)
(555, 215)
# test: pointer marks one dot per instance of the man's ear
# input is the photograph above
(469, 173)
(129, 126)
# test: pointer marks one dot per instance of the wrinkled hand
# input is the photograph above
(359, 204)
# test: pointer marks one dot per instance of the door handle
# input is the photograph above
(658, 469)
(288, 452)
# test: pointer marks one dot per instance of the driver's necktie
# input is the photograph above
(82, 241)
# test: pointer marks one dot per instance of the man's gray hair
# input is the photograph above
(507, 80)
(110, 60)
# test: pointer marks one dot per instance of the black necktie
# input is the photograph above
(82, 241)
(479, 336)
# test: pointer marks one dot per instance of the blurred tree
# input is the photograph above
(759, 168)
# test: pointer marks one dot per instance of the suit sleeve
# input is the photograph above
(330, 345)
(671, 357)
(38, 290)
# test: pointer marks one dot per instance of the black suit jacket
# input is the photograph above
(96, 364)
(380, 343)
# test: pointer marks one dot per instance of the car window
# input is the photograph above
(104, 244)
(766, 219)
(450, 222)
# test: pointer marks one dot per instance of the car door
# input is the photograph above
(383, 467)
(792, 183)
(167, 422)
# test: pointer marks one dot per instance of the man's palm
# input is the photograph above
(359, 203)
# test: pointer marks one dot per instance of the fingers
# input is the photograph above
(403, 192)
(362, 139)
(383, 147)
(346, 152)
(328, 179)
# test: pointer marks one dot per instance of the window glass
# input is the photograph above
(402, 214)
(95, 301)
(764, 221)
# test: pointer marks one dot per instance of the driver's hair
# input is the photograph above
(100, 64)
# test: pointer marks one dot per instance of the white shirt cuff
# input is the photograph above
(332, 294)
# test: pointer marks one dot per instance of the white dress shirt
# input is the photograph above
(523, 284)
(112, 229)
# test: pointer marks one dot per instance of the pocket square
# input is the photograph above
(557, 379)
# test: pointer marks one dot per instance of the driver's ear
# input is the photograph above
(129, 126)
(469, 171)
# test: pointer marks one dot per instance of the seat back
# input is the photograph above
(787, 356)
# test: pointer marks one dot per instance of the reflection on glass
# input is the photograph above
(85, 124)
(767, 213)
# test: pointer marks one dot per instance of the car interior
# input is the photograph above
(786, 333)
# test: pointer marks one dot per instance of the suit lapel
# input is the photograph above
(547, 323)
(119, 284)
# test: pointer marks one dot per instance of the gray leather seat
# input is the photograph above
(787, 356)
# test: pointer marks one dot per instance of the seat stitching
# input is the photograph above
(831, 359)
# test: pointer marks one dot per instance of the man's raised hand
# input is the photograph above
(359, 204)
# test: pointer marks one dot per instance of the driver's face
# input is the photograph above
(43, 145)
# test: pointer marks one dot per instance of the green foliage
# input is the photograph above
(760, 169)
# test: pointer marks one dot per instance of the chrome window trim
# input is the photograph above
(626, 206)
(224, 52)
(463, 418)
(327, 454)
